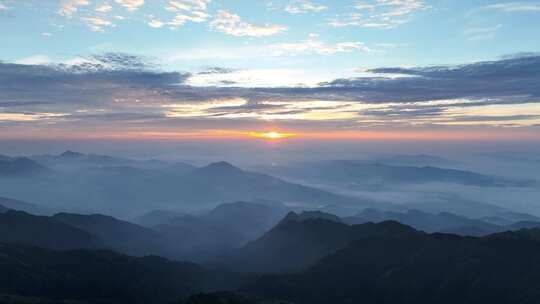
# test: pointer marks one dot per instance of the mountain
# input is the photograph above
(417, 269)
(441, 222)
(70, 160)
(3, 209)
(23, 228)
(157, 217)
(531, 234)
(84, 276)
(123, 191)
(20, 167)
(224, 228)
(310, 215)
(226, 297)
(524, 225)
(420, 160)
(24, 206)
(293, 245)
(223, 181)
(119, 235)
(364, 173)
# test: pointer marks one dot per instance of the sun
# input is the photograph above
(272, 135)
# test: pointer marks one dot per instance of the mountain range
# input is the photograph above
(124, 188)
(310, 257)
(416, 268)
(361, 174)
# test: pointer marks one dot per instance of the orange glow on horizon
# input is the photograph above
(273, 135)
(512, 134)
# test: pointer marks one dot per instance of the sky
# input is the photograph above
(270, 69)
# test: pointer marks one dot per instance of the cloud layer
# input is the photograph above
(122, 92)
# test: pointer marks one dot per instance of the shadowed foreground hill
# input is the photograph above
(119, 235)
(23, 228)
(296, 243)
(101, 276)
(419, 269)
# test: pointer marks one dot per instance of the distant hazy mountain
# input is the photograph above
(441, 222)
(224, 228)
(84, 276)
(350, 172)
(509, 218)
(222, 181)
(416, 269)
(420, 160)
(293, 245)
(157, 217)
(3, 209)
(127, 190)
(24, 206)
(70, 160)
(20, 167)
(23, 228)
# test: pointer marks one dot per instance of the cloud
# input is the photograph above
(381, 14)
(188, 10)
(104, 8)
(69, 7)
(97, 24)
(120, 90)
(3, 7)
(156, 23)
(304, 6)
(511, 7)
(131, 5)
(34, 60)
(313, 45)
(216, 70)
(231, 24)
(482, 33)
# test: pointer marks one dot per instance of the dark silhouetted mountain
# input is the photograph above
(224, 228)
(101, 276)
(3, 209)
(532, 234)
(363, 173)
(310, 215)
(417, 269)
(21, 167)
(226, 298)
(119, 235)
(71, 154)
(23, 228)
(442, 222)
(293, 245)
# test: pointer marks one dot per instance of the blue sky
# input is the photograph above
(426, 32)
(269, 44)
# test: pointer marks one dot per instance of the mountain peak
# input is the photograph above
(71, 154)
(221, 167)
(291, 216)
(310, 215)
